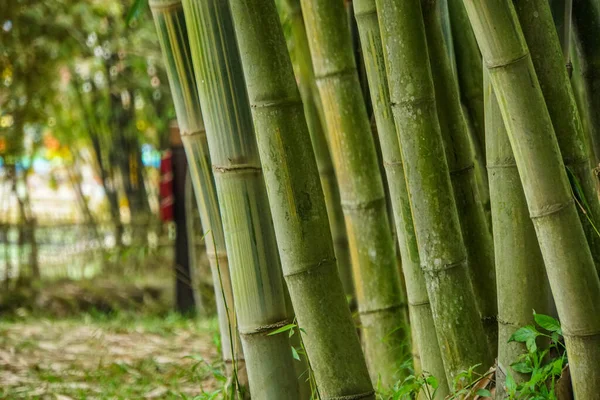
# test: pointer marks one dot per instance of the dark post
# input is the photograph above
(184, 291)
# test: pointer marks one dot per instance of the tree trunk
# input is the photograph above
(376, 276)
(441, 248)
(569, 263)
(421, 317)
(255, 270)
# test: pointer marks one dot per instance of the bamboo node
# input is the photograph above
(550, 210)
(419, 303)
(445, 267)
(164, 4)
(312, 267)
(463, 169)
(259, 330)
(381, 309)
(581, 334)
(336, 74)
(354, 396)
(414, 102)
(199, 132)
(240, 168)
(362, 205)
(283, 102)
(493, 64)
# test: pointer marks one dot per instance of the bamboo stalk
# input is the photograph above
(298, 204)
(251, 248)
(171, 29)
(538, 27)
(469, 66)
(569, 264)
(376, 277)
(470, 79)
(586, 15)
(476, 234)
(442, 252)
(520, 274)
(418, 301)
(315, 118)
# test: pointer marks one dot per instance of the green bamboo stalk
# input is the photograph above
(543, 42)
(298, 204)
(251, 247)
(586, 15)
(469, 66)
(443, 255)
(459, 155)
(376, 277)
(418, 301)
(470, 78)
(520, 274)
(569, 263)
(171, 29)
(313, 109)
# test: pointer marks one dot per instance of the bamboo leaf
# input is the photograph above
(522, 368)
(484, 393)
(135, 10)
(282, 329)
(523, 334)
(295, 354)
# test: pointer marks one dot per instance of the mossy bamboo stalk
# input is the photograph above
(460, 159)
(469, 67)
(586, 16)
(298, 204)
(470, 79)
(421, 317)
(569, 263)
(251, 247)
(315, 118)
(520, 274)
(172, 35)
(376, 277)
(536, 21)
(442, 252)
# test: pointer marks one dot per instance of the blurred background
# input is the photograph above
(85, 131)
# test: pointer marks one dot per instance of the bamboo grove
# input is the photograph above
(364, 240)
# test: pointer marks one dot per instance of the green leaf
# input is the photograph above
(511, 385)
(484, 393)
(548, 323)
(523, 334)
(295, 354)
(531, 345)
(522, 368)
(134, 11)
(282, 329)
(432, 381)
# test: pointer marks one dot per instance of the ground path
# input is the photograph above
(116, 358)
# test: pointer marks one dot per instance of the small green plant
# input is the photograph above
(544, 365)
(300, 351)
(424, 385)
(470, 383)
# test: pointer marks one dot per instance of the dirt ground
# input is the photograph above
(119, 358)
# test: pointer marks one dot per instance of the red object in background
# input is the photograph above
(166, 187)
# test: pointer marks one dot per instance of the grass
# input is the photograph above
(119, 356)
